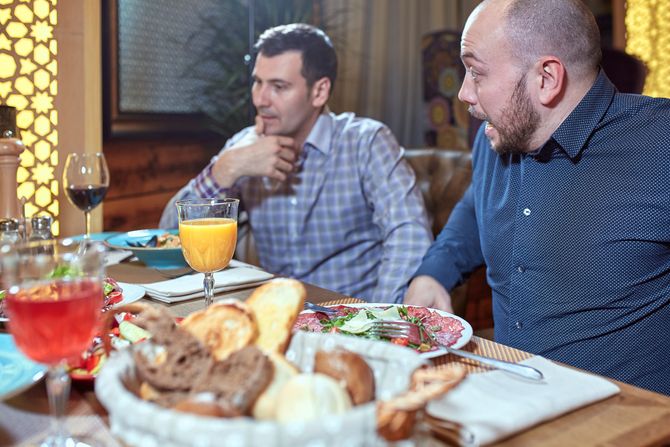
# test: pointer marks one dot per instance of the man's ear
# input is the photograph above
(320, 92)
(550, 75)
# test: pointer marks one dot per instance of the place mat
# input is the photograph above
(24, 419)
(486, 348)
(342, 301)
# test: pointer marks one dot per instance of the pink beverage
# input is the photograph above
(56, 321)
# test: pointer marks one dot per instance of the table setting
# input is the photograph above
(488, 406)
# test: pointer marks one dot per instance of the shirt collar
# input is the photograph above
(575, 130)
(321, 134)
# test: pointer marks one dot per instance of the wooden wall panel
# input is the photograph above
(145, 173)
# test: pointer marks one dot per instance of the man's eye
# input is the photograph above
(473, 73)
(279, 87)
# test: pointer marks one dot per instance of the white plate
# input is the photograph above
(466, 334)
(131, 293)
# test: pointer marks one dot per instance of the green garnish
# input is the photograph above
(63, 271)
(3, 294)
(336, 322)
(107, 288)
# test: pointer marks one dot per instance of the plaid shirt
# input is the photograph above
(350, 219)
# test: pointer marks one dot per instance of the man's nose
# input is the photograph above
(260, 96)
(467, 93)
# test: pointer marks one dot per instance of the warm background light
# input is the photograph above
(648, 37)
(28, 70)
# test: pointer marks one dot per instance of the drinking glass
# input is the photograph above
(85, 180)
(208, 233)
(54, 302)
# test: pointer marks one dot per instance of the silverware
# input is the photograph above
(317, 308)
(403, 329)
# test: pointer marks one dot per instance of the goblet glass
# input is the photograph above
(208, 233)
(85, 180)
(53, 302)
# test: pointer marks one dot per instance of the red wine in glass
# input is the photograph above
(85, 181)
(86, 197)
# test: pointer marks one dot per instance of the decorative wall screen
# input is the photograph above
(648, 37)
(28, 71)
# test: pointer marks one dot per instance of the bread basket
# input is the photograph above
(140, 423)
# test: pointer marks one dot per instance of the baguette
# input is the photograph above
(224, 327)
(276, 306)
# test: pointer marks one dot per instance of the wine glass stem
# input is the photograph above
(58, 390)
(209, 288)
(87, 216)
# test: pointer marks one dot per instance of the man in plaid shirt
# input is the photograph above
(330, 199)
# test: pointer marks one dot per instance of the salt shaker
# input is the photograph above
(41, 228)
(9, 231)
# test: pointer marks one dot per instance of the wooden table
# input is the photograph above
(635, 417)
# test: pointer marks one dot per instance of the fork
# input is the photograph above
(403, 329)
(317, 308)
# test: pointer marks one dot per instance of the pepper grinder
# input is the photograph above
(10, 150)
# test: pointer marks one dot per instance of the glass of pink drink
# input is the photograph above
(53, 302)
(208, 235)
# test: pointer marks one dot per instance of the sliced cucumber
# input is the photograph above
(132, 333)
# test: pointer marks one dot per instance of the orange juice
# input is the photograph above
(209, 243)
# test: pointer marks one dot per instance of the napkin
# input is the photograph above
(496, 404)
(236, 276)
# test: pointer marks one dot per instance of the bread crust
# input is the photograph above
(349, 369)
(276, 306)
(224, 327)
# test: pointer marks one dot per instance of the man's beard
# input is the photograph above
(521, 120)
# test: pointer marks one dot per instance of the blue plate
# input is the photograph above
(96, 236)
(17, 372)
(159, 258)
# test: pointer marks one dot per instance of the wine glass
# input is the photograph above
(54, 302)
(85, 180)
(208, 233)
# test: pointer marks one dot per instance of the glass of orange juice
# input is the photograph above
(208, 234)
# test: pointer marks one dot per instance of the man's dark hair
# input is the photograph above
(318, 55)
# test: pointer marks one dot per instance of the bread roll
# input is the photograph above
(266, 404)
(224, 327)
(351, 370)
(309, 396)
(276, 306)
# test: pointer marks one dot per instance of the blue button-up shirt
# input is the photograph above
(350, 219)
(576, 239)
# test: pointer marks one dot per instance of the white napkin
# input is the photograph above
(496, 404)
(236, 276)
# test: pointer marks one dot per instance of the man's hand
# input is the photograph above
(268, 156)
(426, 291)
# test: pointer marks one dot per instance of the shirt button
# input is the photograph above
(294, 201)
(521, 269)
(526, 212)
(518, 325)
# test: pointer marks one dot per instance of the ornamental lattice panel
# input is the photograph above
(28, 81)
